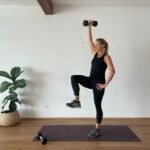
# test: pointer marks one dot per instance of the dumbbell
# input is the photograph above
(41, 138)
(86, 23)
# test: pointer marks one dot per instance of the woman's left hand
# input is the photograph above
(100, 86)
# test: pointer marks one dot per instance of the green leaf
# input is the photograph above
(4, 86)
(6, 98)
(11, 89)
(15, 72)
(13, 96)
(17, 101)
(4, 104)
(19, 73)
(20, 83)
(5, 74)
(12, 106)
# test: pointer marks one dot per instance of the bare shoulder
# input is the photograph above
(107, 58)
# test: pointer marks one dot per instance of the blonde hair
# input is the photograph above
(103, 41)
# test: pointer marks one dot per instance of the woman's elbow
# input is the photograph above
(112, 72)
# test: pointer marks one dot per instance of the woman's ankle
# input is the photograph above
(77, 98)
(98, 126)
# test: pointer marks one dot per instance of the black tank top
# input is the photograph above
(98, 68)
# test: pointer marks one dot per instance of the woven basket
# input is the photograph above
(9, 119)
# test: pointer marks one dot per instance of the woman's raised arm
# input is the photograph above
(90, 39)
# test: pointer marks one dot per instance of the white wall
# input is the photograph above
(52, 48)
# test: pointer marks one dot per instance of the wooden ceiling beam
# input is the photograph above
(47, 6)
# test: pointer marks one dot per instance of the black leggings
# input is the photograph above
(90, 83)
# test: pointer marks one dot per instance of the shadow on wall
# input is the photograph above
(32, 95)
(139, 82)
(141, 72)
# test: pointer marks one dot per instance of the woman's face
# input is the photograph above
(99, 46)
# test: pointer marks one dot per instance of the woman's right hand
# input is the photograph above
(90, 22)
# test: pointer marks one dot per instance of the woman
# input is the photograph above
(96, 80)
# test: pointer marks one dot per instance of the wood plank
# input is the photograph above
(20, 137)
(47, 6)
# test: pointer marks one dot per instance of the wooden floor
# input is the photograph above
(20, 137)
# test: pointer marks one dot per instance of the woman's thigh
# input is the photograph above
(83, 80)
(98, 95)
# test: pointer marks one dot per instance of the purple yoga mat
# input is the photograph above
(109, 133)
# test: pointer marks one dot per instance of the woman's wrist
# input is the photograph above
(106, 84)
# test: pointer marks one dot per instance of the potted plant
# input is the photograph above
(10, 116)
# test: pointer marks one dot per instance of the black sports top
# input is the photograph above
(98, 68)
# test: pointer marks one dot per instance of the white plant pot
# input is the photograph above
(9, 119)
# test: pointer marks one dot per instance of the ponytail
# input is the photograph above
(106, 47)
